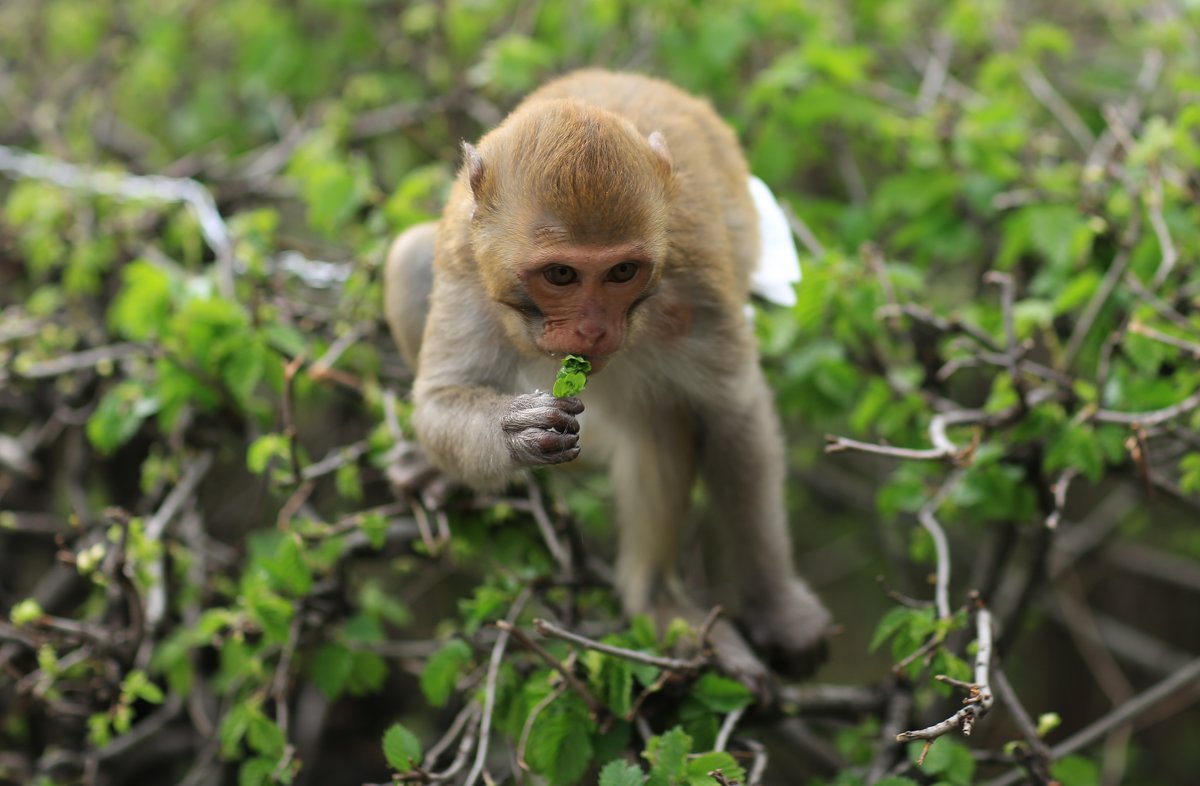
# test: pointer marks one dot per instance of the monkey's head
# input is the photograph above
(569, 225)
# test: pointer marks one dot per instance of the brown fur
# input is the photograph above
(578, 166)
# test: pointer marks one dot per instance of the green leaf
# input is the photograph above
(721, 694)
(1189, 473)
(257, 772)
(1076, 771)
(26, 612)
(374, 526)
(947, 758)
(698, 769)
(897, 618)
(401, 748)
(443, 669)
(668, 754)
(264, 449)
(572, 376)
(271, 612)
(560, 743)
(331, 669)
(138, 686)
(287, 567)
(143, 307)
(263, 735)
(622, 773)
(367, 675)
(119, 415)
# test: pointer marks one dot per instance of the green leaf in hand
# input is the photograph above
(572, 377)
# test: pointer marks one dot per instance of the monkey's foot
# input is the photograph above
(790, 629)
(735, 658)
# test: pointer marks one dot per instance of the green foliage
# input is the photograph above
(323, 127)
(401, 748)
(443, 669)
(572, 376)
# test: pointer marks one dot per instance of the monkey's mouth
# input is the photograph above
(598, 362)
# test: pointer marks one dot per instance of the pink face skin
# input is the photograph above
(584, 294)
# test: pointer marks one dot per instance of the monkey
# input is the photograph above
(609, 216)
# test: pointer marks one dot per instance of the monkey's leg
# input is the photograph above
(744, 467)
(653, 473)
(407, 282)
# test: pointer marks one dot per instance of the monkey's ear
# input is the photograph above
(474, 166)
(658, 143)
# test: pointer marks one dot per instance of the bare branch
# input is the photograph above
(1150, 418)
(980, 699)
(928, 519)
(152, 187)
(489, 691)
(571, 680)
(670, 664)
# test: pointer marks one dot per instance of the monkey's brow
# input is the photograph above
(549, 235)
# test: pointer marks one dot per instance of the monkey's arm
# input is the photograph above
(470, 428)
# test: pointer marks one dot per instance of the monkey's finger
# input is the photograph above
(563, 457)
(553, 442)
(571, 405)
(540, 418)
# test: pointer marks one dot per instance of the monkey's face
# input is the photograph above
(584, 295)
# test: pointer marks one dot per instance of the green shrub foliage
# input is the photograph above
(211, 572)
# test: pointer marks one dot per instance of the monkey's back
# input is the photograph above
(710, 172)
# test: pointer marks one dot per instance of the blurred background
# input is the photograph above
(199, 402)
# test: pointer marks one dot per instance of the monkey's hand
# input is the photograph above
(541, 429)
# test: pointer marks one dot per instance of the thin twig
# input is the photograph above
(726, 730)
(537, 506)
(670, 664)
(1191, 347)
(1039, 752)
(153, 187)
(1150, 418)
(489, 691)
(572, 681)
(928, 519)
(980, 699)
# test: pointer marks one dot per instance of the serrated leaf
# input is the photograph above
(401, 748)
(721, 694)
(622, 773)
(272, 613)
(442, 671)
(287, 566)
(560, 743)
(698, 769)
(668, 754)
(896, 618)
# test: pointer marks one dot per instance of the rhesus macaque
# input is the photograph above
(609, 216)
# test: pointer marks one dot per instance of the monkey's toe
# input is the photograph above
(790, 630)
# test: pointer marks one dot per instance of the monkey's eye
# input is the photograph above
(622, 272)
(560, 275)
